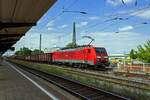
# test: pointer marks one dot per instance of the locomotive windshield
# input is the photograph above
(100, 50)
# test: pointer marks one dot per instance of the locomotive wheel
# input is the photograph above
(83, 66)
(75, 65)
(80, 66)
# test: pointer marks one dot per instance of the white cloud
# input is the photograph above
(119, 2)
(31, 40)
(145, 14)
(116, 42)
(113, 2)
(126, 28)
(113, 42)
(142, 13)
(82, 24)
(50, 24)
(129, 1)
(63, 26)
(94, 18)
(50, 28)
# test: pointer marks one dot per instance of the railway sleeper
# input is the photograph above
(81, 90)
(92, 94)
(65, 83)
(72, 86)
(101, 97)
(88, 94)
(76, 88)
(61, 81)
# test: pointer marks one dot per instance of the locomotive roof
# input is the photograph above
(77, 48)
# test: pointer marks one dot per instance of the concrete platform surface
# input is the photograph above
(14, 86)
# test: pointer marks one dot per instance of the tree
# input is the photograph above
(23, 51)
(133, 54)
(37, 51)
(142, 53)
(71, 45)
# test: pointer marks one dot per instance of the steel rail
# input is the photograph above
(74, 87)
(113, 79)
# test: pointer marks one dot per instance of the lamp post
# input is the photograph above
(40, 43)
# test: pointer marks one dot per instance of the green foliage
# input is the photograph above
(142, 53)
(71, 45)
(133, 54)
(36, 51)
(26, 51)
(23, 51)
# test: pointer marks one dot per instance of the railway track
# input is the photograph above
(104, 76)
(138, 84)
(74, 87)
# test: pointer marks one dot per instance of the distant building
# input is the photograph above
(118, 56)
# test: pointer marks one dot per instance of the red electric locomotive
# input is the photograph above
(81, 56)
(89, 55)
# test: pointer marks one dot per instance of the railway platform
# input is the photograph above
(15, 84)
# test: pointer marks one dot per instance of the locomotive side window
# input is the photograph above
(100, 50)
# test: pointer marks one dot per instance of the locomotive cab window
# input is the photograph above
(100, 50)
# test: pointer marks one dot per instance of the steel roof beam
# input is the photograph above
(5, 47)
(8, 40)
(10, 35)
(14, 25)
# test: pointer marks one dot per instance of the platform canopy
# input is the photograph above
(17, 17)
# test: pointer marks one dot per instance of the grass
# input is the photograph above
(89, 80)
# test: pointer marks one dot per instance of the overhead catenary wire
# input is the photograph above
(100, 23)
(135, 26)
(123, 2)
(64, 4)
(127, 13)
(138, 25)
(72, 4)
(109, 26)
(136, 2)
(61, 12)
(136, 12)
(64, 8)
(130, 14)
(141, 10)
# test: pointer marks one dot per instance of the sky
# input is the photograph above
(118, 26)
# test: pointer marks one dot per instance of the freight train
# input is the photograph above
(78, 57)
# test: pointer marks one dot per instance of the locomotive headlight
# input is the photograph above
(105, 56)
(99, 57)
